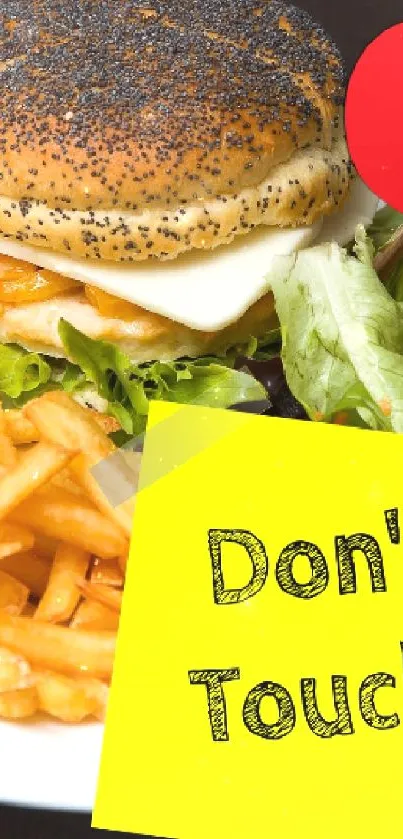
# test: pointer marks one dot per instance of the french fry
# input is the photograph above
(65, 480)
(15, 672)
(128, 506)
(53, 518)
(61, 515)
(19, 428)
(62, 421)
(59, 648)
(65, 423)
(101, 691)
(30, 569)
(70, 700)
(80, 467)
(13, 594)
(34, 468)
(106, 572)
(110, 597)
(93, 615)
(45, 546)
(62, 594)
(14, 538)
(8, 453)
(28, 610)
(19, 704)
(107, 423)
(122, 562)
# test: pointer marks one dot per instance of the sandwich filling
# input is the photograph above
(194, 305)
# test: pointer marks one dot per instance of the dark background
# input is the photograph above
(353, 24)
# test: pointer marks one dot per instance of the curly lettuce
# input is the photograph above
(342, 336)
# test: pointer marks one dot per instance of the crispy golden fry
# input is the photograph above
(29, 610)
(33, 469)
(45, 545)
(70, 700)
(62, 594)
(66, 480)
(59, 648)
(13, 594)
(19, 428)
(15, 672)
(93, 615)
(81, 469)
(65, 423)
(128, 506)
(62, 421)
(53, 519)
(110, 597)
(18, 704)
(122, 561)
(14, 538)
(28, 568)
(61, 515)
(107, 423)
(106, 571)
(8, 453)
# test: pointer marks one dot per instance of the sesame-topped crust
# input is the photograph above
(141, 104)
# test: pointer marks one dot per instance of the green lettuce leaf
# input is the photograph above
(363, 247)
(128, 387)
(381, 245)
(21, 372)
(342, 336)
(394, 281)
(267, 347)
(386, 226)
(100, 367)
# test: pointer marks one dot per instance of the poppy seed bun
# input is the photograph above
(311, 184)
(134, 129)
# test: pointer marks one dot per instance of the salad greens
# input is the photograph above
(343, 331)
(21, 372)
(394, 281)
(127, 387)
(385, 228)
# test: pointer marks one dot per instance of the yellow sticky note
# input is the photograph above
(258, 684)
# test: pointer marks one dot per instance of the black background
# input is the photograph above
(353, 24)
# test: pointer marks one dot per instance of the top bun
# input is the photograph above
(131, 107)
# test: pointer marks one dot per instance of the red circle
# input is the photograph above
(374, 116)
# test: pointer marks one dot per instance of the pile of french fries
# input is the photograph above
(63, 553)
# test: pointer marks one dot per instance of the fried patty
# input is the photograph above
(146, 337)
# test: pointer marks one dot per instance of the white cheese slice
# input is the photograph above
(205, 290)
(359, 208)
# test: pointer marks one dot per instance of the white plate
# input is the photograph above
(49, 765)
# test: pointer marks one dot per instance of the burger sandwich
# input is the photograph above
(176, 192)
